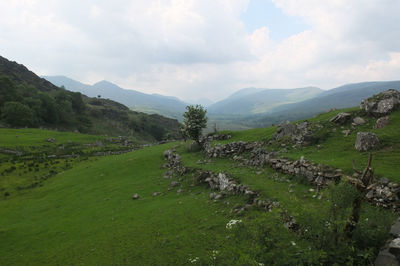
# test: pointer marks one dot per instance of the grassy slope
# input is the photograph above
(85, 215)
(17, 174)
(35, 137)
(336, 149)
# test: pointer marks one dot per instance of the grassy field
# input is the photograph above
(38, 137)
(86, 215)
(338, 150)
(84, 212)
(40, 159)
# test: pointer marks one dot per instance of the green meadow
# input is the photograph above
(83, 212)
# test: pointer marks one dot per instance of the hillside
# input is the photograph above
(254, 100)
(280, 195)
(340, 97)
(27, 100)
(138, 101)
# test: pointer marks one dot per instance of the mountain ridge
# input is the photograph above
(169, 106)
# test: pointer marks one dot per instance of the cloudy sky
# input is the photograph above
(205, 48)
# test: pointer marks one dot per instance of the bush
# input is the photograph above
(17, 114)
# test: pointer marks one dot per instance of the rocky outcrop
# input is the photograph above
(390, 254)
(341, 118)
(300, 133)
(385, 194)
(174, 163)
(381, 104)
(366, 141)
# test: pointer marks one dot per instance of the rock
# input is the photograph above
(218, 196)
(135, 196)
(370, 194)
(366, 141)
(395, 229)
(300, 133)
(359, 121)
(52, 140)
(394, 247)
(346, 132)
(284, 129)
(212, 195)
(382, 104)
(174, 183)
(155, 194)
(179, 191)
(385, 258)
(167, 154)
(382, 122)
(341, 118)
(384, 181)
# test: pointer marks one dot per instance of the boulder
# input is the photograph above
(394, 247)
(299, 133)
(285, 129)
(385, 258)
(381, 104)
(382, 122)
(366, 141)
(395, 229)
(341, 118)
(174, 183)
(359, 121)
(135, 196)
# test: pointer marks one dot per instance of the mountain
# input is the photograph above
(138, 101)
(27, 100)
(257, 101)
(341, 97)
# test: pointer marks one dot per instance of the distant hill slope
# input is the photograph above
(257, 101)
(27, 100)
(138, 101)
(341, 97)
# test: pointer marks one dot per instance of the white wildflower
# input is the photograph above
(194, 260)
(232, 223)
(293, 243)
(214, 254)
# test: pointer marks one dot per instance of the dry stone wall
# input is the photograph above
(383, 193)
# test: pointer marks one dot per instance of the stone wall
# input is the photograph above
(383, 193)
(223, 183)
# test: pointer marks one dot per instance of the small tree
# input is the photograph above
(194, 121)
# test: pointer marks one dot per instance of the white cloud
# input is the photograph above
(193, 48)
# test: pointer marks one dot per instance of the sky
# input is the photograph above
(205, 48)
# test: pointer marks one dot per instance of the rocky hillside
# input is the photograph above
(27, 100)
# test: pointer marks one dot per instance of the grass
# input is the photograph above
(336, 149)
(37, 137)
(85, 214)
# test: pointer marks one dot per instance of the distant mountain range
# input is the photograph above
(137, 101)
(341, 97)
(258, 101)
(246, 108)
